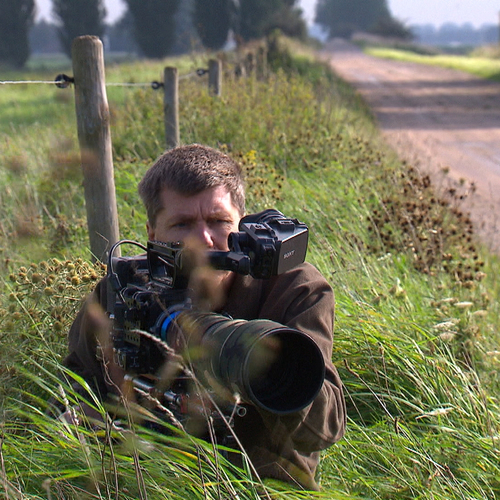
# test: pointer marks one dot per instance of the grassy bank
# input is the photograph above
(479, 65)
(416, 338)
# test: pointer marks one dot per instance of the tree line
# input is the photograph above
(342, 18)
(157, 28)
(152, 25)
(451, 34)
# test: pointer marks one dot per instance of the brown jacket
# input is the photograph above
(281, 447)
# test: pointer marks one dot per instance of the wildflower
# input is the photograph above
(397, 290)
(463, 305)
(36, 277)
(436, 412)
(480, 312)
(451, 300)
(446, 325)
(447, 336)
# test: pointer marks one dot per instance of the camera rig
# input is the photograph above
(269, 365)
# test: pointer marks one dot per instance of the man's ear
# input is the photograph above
(151, 231)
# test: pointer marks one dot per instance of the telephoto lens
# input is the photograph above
(275, 367)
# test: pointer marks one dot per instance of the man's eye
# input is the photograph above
(221, 222)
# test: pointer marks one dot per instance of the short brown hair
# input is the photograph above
(190, 170)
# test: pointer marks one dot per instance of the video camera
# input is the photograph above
(277, 368)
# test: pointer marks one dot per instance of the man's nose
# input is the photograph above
(204, 234)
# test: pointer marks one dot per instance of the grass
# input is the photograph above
(416, 337)
(479, 65)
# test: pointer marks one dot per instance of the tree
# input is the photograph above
(186, 37)
(212, 19)
(289, 20)
(343, 17)
(121, 34)
(16, 19)
(154, 25)
(43, 38)
(393, 28)
(258, 18)
(78, 18)
(252, 15)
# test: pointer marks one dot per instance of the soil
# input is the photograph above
(442, 121)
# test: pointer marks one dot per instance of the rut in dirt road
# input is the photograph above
(437, 119)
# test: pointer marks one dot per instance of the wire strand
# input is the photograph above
(12, 82)
(107, 84)
(113, 84)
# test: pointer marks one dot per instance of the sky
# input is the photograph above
(435, 12)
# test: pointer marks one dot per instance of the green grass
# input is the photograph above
(484, 67)
(417, 328)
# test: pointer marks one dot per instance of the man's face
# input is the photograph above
(205, 218)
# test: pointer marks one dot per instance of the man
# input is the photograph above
(195, 194)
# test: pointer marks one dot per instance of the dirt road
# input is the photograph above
(437, 119)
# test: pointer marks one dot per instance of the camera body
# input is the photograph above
(276, 368)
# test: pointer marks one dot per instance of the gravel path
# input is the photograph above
(438, 119)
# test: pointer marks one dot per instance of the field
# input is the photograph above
(480, 64)
(416, 336)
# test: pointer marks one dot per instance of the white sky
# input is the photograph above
(436, 12)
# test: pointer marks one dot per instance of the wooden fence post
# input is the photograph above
(261, 63)
(239, 70)
(92, 115)
(215, 76)
(250, 64)
(171, 107)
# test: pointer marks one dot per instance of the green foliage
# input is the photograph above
(412, 219)
(258, 18)
(15, 21)
(252, 16)
(41, 301)
(187, 39)
(417, 313)
(486, 51)
(484, 67)
(391, 27)
(78, 18)
(42, 454)
(154, 25)
(213, 21)
(343, 17)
